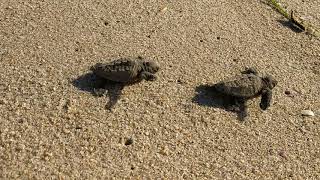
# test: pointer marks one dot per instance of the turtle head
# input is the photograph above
(151, 67)
(270, 81)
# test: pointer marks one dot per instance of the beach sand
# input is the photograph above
(52, 126)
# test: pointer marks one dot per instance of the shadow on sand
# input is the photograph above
(99, 87)
(206, 95)
(290, 25)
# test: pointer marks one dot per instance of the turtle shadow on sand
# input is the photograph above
(206, 95)
(98, 86)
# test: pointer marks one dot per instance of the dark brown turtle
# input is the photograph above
(246, 86)
(121, 72)
(126, 70)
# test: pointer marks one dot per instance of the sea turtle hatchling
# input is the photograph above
(125, 70)
(246, 86)
(122, 72)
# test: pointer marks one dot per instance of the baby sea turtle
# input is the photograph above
(246, 86)
(125, 70)
(119, 73)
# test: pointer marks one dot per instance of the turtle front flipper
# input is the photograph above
(266, 98)
(147, 76)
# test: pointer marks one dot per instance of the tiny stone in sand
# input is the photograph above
(307, 113)
(129, 142)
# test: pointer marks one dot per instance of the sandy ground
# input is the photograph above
(52, 126)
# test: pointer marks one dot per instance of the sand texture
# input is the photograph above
(52, 126)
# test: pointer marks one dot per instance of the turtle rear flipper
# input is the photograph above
(243, 108)
(266, 97)
(114, 94)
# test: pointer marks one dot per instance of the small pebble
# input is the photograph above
(307, 113)
(282, 154)
(290, 93)
(235, 60)
(287, 92)
(165, 151)
(3, 51)
(128, 142)
(3, 101)
(164, 9)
